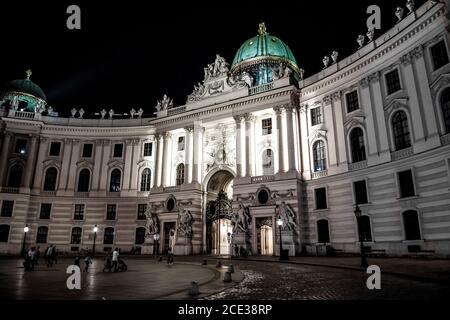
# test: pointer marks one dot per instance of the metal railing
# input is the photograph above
(261, 88)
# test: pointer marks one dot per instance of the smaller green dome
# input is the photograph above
(25, 86)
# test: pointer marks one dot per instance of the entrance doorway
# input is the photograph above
(169, 236)
(264, 236)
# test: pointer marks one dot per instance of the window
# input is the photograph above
(41, 236)
(145, 179)
(21, 146)
(352, 101)
(411, 225)
(78, 212)
(50, 179)
(268, 163)
(111, 212)
(7, 208)
(118, 150)
(180, 174)
(319, 156)
(445, 106)
(439, 55)
(357, 145)
(114, 183)
(84, 180)
(55, 149)
(365, 232)
(316, 116)
(392, 82)
(87, 150)
(321, 198)
(406, 182)
(400, 128)
(75, 237)
(148, 148)
(4, 233)
(140, 235)
(180, 143)
(360, 189)
(323, 231)
(46, 209)
(108, 237)
(15, 176)
(266, 126)
(142, 207)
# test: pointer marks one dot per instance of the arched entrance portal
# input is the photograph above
(219, 212)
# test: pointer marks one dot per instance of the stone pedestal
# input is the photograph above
(288, 241)
(241, 240)
(183, 246)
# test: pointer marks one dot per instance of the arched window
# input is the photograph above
(445, 105)
(42, 233)
(180, 174)
(365, 232)
(50, 179)
(268, 167)
(323, 231)
(114, 183)
(75, 237)
(140, 236)
(319, 156)
(84, 179)
(411, 225)
(400, 127)
(357, 145)
(108, 237)
(145, 179)
(4, 233)
(15, 176)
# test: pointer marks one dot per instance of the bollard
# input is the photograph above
(193, 291)
(204, 263)
(219, 264)
(227, 277)
(231, 268)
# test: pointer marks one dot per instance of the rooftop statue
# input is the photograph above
(165, 104)
(218, 68)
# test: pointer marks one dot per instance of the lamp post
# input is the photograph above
(25, 231)
(95, 238)
(358, 215)
(280, 225)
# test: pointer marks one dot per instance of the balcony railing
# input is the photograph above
(172, 189)
(24, 115)
(10, 190)
(81, 194)
(262, 88)
(320, 174)
(174, 111)
(262, 179)
(357, 165)
(397, 155)
(48, 193)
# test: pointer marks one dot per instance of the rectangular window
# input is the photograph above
(7, 208)
(392, 82)
(321, 198)
(148, 148)
(406, 183)
(87, 150)
(118, 150)
(21, 146)
(439, 55)
(180, 143)
(360, 190)
(142, 207)
(352, 101)
(55, 149)
(267, 127)
(79, 212)
(316, 116)
(46, 209)
(111, 212)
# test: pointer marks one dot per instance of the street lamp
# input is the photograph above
(95, 238)
(280, 225)
(358, 215)
(25, 231)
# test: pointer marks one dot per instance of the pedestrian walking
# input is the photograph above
(49, 256)
(107, 265)
(87, 262)
(169, 258)
(37, 255)
(115, 260)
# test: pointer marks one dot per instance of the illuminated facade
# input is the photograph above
(255, 143)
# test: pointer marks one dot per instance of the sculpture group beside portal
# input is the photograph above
(287, 216)
(152, 222)
(241, 219)
(183, 238)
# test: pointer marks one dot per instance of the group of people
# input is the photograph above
(34, 253)
(113, 262)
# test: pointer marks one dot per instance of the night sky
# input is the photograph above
(129, 53)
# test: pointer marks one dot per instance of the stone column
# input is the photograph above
(331, 138)
(166, 162)
(65, 164)
(249, 145)
(104, 169)
(198, 133)
(73, 166)
(280, 151)
(137, 144)
(31, 160)
(5, 154)
(127, 165)
(239, 164)
(370, 120)
(97, 165)
(290, 138)
(158, 155)
(39, 172)
(304, 142)
(188, 156)
(340, 135)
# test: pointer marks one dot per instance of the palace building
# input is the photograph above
(257, 154)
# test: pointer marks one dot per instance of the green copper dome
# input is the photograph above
(25, 86)
(263, 48)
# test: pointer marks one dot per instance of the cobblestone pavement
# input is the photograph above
(271, 280)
